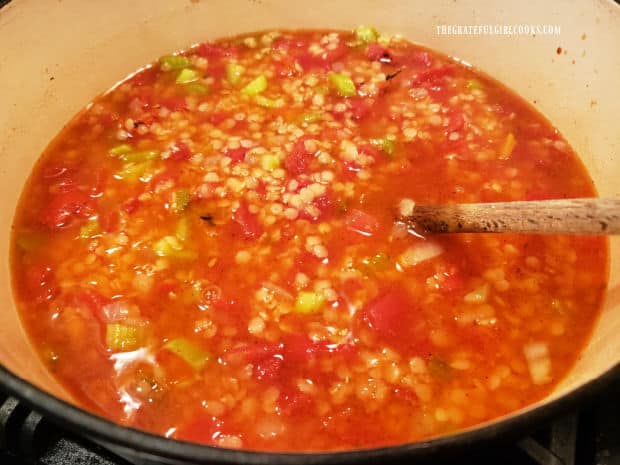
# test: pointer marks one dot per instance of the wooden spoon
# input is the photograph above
(568, 216)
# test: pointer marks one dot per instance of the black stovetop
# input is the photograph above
(589, 436)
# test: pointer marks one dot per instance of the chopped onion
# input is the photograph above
(419, 253)
(278, 290)
(477, 296)
(270, 427)
(539, 362)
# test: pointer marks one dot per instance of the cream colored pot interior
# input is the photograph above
(55, 56)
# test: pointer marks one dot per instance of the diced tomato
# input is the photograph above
(205, 429)
(406, 394)
(450, 278)
(298, 161)
(376, 52)
(299, 348)
(359, 107)
(269, 368)
(361, 222)
(210, 50)
(433, 76)
(166, 287)
(176, 103)
(131, 205)
(217, 71)
(145, 77)
(180, 152)
(375, 153)
(65, 207)
(93, 302)
(109, 222)
(41, 283)
(456, 121)
(253, 352)
(335, 54)
(217, 117)
(396, 321)
(236, 155)
(324, 203)
(285, 67)
(293, 402)
(248, 222)
(310, 62)
(415, 59)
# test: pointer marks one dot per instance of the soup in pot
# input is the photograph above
(211, 250)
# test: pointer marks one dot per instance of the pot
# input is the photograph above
(56, 56)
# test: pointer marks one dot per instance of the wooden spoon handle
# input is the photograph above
(570, 216)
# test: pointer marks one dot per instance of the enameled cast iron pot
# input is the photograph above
(55, 56)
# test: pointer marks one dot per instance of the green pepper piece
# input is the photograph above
(366, 34)
(269, 103)
(170, 62)
(132, 171)
(388, 146)
(139, 157)
(187, 75)
(89, 230)
(120, 149)
(255, 87)
(195, 356)
(180, 200)
(196, 88)
(309, 302)
(473, 84)
(344, 84)
(123, 338)
(234, 71)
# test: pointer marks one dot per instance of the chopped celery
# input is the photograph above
(123, 337)
(309, 302)
(388, 146)
(269, 162)
(133, 171)
(343, 84)
(196, 88)
(256, 86)
(170, 62)
(139, 157)
(90, 229)
(473, 84)
(269, 103)
(180, 200)
(310, 117)
(28, 241)
(376, 263)
(366, 34)
(120, 149)
(194, 355)
(507, 147)
(167, 246)
(171, 246)
(234, 72)
(186, 76)
(182, 231)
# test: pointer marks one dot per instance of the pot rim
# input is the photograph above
(81, 422)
